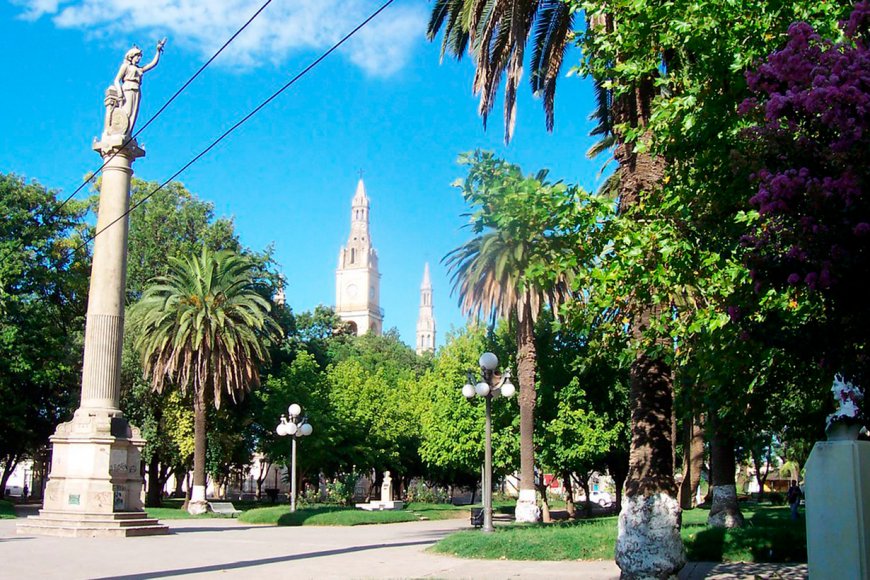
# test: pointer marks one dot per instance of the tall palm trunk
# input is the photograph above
(724, 509)
(693, 460)
(198, 503)
(527, 507)
(648, 543)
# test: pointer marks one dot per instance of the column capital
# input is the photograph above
(109, 145)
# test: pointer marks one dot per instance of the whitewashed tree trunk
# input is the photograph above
(527, 510)
(724, 510)
(649, 545)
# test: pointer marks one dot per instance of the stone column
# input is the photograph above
(95, 484)
(104, 330)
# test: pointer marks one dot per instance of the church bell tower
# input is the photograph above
(426, 319)
(357, 281)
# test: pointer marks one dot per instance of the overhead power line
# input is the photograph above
(239, 123)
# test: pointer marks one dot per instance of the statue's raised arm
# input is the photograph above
(122, 98)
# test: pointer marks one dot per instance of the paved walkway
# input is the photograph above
(225, 547)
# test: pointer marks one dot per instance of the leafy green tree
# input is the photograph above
(375, 401)
(452, 429)
(675, 73)
(173, 222)
(43, 288)
(304, 382)
(203, 327)
(495, 33)
(582, 396)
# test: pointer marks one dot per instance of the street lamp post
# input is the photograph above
(492, 384)
(295, 426)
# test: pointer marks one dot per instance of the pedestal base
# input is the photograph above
(79, 525)
(380, 505)
(95, 486)
(838, 510)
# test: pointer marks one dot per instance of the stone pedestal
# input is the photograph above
(95, 484)
(837, 495)
(386, 502)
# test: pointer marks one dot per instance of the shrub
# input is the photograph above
(420, 491)
(340, 491)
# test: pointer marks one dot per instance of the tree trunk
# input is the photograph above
(545, 504)
(155, 489)
(692, 461)
(265, 466)
(8, 467)
(198, 503)
(617, 465)
(527, 506)
(570, 508)
(724, 510)
(180, 475)
(648, 543)
(761, 474)
(587, 503)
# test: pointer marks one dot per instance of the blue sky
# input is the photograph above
(382, 104)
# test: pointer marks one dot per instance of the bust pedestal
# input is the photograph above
(838, 510)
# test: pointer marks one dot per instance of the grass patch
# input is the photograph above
(322, 515)
(591, 539)
(438, 511)
(769, 536)
(7, 510)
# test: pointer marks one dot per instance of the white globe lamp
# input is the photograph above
(488, 361)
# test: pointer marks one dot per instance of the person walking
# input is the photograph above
(794, 499)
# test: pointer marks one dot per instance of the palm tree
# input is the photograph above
(495, 33)
(203, 327)
(491, 275)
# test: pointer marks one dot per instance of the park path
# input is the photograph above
(230, 549)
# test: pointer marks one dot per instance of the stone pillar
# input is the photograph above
(95, 484)
(104, 330)
(837, 490)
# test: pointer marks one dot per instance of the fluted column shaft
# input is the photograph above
(104, 329)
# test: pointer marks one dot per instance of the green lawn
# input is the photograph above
(438, 511)
(770, 536)
(324, 515)
(7, 511)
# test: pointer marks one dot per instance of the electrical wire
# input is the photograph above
(239, 123)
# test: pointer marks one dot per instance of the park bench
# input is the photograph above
(224, 508)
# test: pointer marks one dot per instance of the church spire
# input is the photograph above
(426, 319)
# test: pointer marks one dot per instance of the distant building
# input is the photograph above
(357, 280)
(426, 319)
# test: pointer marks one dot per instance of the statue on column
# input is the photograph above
(122, 97)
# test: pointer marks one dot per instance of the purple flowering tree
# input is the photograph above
(811, 137)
